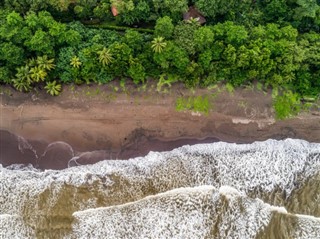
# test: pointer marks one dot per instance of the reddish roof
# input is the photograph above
(194, 13)
(114, 11)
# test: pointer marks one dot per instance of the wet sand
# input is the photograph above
(91, 123)
(15, 149)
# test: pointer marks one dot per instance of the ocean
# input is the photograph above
(267, 189)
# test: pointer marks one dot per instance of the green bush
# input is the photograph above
(286, 105)
(199, 104)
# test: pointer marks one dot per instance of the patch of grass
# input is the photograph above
(307, 106)
(115, 88)
(242, 104)
(97, 91)
(275, 93)
(199, 104)
(73, 88)
(123, 86)
(286, 105)
(142, 88)
(229, 88)
(212, 87)
(309, 103)
(165, 80)
(250, 86)
(108, 97)
(5, 91)
(87, 92)
(259, 86)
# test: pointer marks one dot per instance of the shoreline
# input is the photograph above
(60, 155)
(133, 122)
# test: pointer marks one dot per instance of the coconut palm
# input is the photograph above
(38, 74)
(22, 82)
(45, 63)
(21, 85)
(105, 56)
(32, 62)
(75, 62)
(158, 44)
(23, 73)
(53, 88)
(194, 21)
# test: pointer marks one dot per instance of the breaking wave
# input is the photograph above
(262, 190)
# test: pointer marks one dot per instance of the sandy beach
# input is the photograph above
(107, 122)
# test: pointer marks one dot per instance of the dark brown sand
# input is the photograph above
(93, 123)
(59, 155)
(14, 147)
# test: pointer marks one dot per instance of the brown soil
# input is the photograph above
(123, 123)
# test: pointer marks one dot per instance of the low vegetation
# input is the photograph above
(286, 105)
(198, 104)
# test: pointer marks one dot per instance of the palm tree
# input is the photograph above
(23, 79)
(194, 21)
(44, 63)
(23, 73)
(75, 62)
(32, 62)
(158, 44)
(53, 88)
(38, 74)
(21, 85)
(105, 56)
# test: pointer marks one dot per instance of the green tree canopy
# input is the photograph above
(183, 35)
(164, 27)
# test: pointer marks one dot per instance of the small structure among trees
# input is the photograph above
(114, 11)
(193, 13)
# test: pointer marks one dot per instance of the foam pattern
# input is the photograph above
(200, 212)
(308, 227)
(13, 227)
(273, 171)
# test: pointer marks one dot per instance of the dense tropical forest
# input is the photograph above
(48, 43)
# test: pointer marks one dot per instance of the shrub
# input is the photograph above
(197, 104)
(286, 105)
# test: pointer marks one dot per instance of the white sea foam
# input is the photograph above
(13, 227)
(269, 170)
(200, 212)
(306, 227)
(259, 167)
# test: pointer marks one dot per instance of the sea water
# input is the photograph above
(265, 189)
